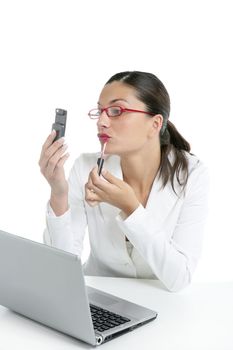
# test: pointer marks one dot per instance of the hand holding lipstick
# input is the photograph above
(111, 190)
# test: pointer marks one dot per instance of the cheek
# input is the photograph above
(130, 131)
(128, 137)
(126, 125)
(133, 135)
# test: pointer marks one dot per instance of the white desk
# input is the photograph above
(197, 318)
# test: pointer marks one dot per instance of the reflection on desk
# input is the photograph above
(200, 317)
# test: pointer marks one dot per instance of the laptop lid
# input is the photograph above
(46, 285)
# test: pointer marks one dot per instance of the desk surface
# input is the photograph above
(197, 318)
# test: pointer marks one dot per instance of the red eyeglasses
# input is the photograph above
(113, 111)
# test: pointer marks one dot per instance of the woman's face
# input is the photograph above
(131, 131)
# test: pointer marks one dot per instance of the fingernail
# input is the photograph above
(61, 140)
(104, 172)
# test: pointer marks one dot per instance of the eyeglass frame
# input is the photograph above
(122, 111)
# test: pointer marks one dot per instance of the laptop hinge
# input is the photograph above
(99, 339)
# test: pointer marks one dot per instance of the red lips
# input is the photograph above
(104, 137)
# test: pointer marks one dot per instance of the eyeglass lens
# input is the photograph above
(114, 111)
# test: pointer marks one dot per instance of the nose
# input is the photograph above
(104, 120)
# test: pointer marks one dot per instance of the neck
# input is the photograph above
(140, 169)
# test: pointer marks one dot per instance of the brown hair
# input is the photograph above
(151, 91)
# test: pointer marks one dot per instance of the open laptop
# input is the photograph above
(47, 285)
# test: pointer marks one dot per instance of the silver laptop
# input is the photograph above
(47, 285)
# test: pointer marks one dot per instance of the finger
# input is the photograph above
(53, 161)
(110, 178)
(93, 177)
(92, 203)
(56, 156)
(62, 160)
(103, 184)
(94, 174)
(50, 152)
(91, 190)
(91, 197)
(89, 184)
(49, 140)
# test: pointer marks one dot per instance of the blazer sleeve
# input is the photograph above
(67, 231)
(173, 260)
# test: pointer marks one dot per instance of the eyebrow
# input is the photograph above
(115, 100)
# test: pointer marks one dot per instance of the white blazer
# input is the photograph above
(166, 236)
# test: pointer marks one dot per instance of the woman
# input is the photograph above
(146, 212)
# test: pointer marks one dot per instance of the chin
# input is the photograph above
(116, 150)
(113, 151)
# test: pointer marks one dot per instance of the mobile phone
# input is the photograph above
(60, 123)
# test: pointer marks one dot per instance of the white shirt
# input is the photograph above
(165, 237)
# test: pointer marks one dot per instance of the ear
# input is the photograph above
(157, 123)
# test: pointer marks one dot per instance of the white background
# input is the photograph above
(60, 54)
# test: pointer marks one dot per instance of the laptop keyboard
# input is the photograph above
(104, 319)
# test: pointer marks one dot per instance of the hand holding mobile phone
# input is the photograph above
(60, 123)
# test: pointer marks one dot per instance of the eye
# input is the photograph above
(114, 111)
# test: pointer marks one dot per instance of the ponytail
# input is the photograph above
(176, 139)
(172, 140)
